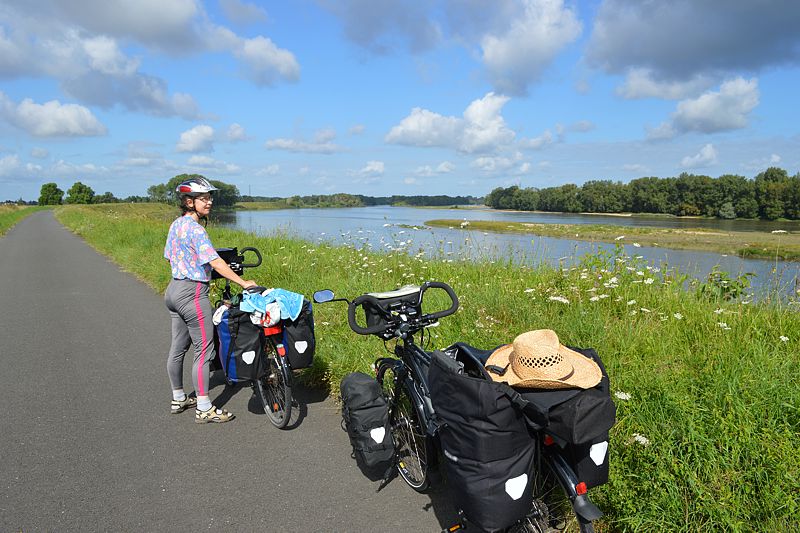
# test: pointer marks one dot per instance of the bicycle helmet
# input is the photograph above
(195, 187)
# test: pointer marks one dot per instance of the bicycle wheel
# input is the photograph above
(412, 450)
(551, 510)
(274, 388)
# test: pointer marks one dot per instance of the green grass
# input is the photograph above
(11, 214)
(751, 244)
(712, 384)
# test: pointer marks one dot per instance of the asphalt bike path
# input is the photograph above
(87, 440)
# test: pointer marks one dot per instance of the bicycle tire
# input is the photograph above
(412, 447)
(274, 388)
(551, 510)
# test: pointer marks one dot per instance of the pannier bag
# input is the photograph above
(365, 414)
(579, 421)
(240, 346)
(298, 338)
(404, 300)
(488, 449)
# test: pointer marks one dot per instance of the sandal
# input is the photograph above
(179, 406)
(212, 415)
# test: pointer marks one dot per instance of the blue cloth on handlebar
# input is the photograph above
(290, 303)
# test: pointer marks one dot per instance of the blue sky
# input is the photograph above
(384, 97)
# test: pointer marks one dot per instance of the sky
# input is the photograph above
(384, 97)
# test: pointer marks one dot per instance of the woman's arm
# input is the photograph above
(225, 271)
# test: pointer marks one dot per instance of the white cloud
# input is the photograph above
(517, 56)
(635, 167)
(205, 162)
(723, 110)
(242, 12)
(357, 129)
(539, 142)
(482, 129)
(445, 167)
(236, 133)
(294, 145)
(410, 181)
(51, 119)
(198, 139)
(269, 170)
(373, 169)
(9, 165)
(39, 153)
(719, 111)
(639, 83)
(266, 63)
(707, 156)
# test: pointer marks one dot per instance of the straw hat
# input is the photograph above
(537, 360)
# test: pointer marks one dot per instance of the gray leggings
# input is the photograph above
(190, 310)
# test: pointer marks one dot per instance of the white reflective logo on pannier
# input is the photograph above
(301, 346)
(249, 357)
(516, 486)
(598, 452)
(377, 434)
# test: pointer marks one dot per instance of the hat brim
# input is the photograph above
(585, 372)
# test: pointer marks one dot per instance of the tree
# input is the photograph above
(770, 189)
(158, 193)
(50, 194)
(79, 194)
(105, 198)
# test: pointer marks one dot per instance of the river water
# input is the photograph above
(387, 228)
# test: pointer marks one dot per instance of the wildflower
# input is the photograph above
(649, 281)
(718, 311)
(778, 231)
(631, 302)
(783, 338)
(619, 238)
(644, 310)
(622, 395)
(637, 245)
(559, 299)
(326, 323)
(639, 273)
(678, 316)
(723, 325)
(601, 296)
(594, 298)
(641, 439)
(529, 290)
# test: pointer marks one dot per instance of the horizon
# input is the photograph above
(416, 98)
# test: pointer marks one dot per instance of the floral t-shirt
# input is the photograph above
(189, 250)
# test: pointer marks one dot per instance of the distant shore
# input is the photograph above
(756, 245)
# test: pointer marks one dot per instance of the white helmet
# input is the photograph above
(195, 187)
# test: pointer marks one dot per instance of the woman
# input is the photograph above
(191, 256)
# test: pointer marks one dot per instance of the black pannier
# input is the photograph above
(240, 346)
(484, 437)
(298, 338)
(579, 421)
(365, 415)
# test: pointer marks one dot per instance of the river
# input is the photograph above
(387, 228)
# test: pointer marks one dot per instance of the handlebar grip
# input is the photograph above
(351, 316)
(255, 251)
(450, 292)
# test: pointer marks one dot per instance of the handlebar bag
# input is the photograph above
(240, 346)
(485, 440)
(579, 421)
(298, 338)
(365, 415)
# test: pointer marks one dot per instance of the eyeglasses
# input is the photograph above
(205, 199)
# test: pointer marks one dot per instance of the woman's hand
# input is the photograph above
(248, 283)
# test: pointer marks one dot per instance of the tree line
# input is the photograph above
(772, 194)
(228, 196)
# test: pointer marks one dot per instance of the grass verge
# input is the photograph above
(708, 403)
(749, 244)
(11, 214)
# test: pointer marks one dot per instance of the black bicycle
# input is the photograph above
(273, 387)
(398, 316)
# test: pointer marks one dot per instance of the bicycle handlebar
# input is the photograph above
(376, 303)
(351, 315)
(255, 251)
